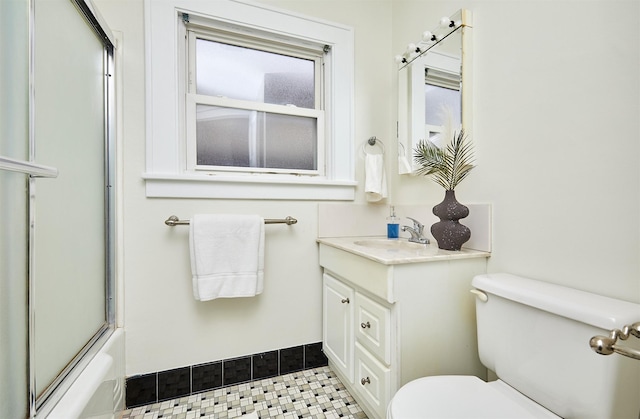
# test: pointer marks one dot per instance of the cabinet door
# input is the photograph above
(337, 328)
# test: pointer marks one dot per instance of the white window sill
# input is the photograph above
(247, 187)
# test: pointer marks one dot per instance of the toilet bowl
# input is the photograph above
(535, 336)
(463, 397)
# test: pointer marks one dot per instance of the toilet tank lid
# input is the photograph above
(596, 310)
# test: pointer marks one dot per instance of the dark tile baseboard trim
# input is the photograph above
(166, 385)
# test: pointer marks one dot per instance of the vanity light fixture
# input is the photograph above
(429, 39)
(447, 22)
(411, 48)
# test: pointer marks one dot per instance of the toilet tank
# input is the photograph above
(535, 336)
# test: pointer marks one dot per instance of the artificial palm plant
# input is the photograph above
(448, 166)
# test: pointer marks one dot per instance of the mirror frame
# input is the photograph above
(407, 125)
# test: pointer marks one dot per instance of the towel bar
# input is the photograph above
(606, 345)
(174, 221)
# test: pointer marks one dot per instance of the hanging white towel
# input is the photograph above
(404, 167)
(375, 185)
(227, 255)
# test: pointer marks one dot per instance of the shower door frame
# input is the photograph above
(43, 404)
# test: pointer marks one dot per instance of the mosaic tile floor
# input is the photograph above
(315, 393)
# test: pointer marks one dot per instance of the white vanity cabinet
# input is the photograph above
(387, 322)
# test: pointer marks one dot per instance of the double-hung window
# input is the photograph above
(247, 101)
(253, 104)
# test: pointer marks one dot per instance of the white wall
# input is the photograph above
(557, 134)
(556, 107)
(165, 326)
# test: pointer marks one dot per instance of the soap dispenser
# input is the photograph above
(393, 226)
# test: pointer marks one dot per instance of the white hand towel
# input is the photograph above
(404, 167)
(227, 255)
(375, 185)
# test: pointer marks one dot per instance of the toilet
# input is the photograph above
(535, 337)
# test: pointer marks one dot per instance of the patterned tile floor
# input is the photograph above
(315, 393)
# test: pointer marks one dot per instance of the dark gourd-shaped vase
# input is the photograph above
(448, 232)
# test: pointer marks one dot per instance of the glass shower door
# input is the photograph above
(70, 238)
(14, 228)
(13, 295)
(71, 273)
(55, 249)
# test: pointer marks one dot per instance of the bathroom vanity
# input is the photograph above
(394, 311)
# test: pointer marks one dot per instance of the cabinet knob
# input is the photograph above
(365, 381)
(345, 301)
(366, 325)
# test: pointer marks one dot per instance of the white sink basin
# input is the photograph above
(391, 244)
(395, 251)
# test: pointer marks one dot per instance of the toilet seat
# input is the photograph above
(462, 397)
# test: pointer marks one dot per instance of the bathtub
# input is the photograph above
(98, 392)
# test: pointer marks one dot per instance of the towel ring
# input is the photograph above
(401, 150)
(372, 142)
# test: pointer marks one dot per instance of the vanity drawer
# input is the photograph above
(373, 327)
(372, 381)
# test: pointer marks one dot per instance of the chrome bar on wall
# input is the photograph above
(175, 221)
(32, 169)
(606, 345)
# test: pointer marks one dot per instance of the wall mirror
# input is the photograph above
(434, 85)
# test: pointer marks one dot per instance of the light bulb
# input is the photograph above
(399, 59)
(426, 36)
(445, 21)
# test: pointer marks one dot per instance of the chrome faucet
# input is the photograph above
(416, 232)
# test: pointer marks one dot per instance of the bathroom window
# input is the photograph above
(253, 105)
(246, 101)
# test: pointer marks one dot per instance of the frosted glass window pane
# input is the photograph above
(222, 136)
(290, 142)
(243, 138)
(436, 98)
(254, 75)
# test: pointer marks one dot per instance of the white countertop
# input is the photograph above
(398, 251)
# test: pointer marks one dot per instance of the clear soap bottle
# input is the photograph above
(393, 226)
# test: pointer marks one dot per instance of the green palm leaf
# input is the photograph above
(449, 166)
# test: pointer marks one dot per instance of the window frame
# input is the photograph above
(199, 31)
(167, 174)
